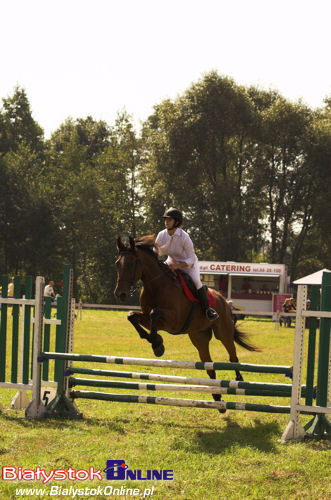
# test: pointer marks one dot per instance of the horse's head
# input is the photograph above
(128, 269)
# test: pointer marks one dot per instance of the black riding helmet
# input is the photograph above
(174, 214)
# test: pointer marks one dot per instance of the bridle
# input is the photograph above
(133, 281)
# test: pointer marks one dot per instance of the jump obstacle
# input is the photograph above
(62, 405)
(32, 317)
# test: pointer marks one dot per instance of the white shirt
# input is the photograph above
(48, 291)
(178, 247)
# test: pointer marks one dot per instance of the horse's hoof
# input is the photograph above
(223, 410)
(159, 350)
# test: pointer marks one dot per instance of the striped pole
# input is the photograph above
(168, 363)
(233, 384)
(188, 403)
(89, 382)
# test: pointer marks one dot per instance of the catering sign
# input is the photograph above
(209, 267)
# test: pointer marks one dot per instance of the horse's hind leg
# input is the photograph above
(201, 340)
(224, 331)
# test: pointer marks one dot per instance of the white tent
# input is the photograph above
(312, 279)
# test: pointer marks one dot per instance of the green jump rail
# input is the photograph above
(187, 403)
(89, 382)
(287, 370)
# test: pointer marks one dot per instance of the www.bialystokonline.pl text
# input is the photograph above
(88, 492)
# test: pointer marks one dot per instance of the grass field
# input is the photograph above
(232, 456)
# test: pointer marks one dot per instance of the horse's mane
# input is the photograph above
(147, 244)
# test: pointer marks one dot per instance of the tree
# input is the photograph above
(288, 179)
(200, 150)
(24, 218)
(18, 125)
(92, 182)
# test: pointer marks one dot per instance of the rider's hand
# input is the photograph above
(174, 265)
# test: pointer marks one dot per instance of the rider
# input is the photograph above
(177, 244)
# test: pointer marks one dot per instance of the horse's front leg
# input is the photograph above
(136, 319)
(157, 340)
(148, 321)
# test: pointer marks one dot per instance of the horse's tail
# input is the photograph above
(239, 337)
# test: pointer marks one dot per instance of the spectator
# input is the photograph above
(49, 290)
(287, 307)
(308, 306)
(11, 288)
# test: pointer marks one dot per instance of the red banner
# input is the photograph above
(278, 300)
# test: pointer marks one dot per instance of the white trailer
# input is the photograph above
(250, 286)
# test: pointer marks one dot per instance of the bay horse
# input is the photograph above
(165, 307)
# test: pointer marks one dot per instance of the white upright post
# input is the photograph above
(294, 429)
(21, 399)
(36, 409)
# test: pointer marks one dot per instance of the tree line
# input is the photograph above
(248, 168)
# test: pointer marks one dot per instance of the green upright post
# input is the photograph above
(47, 332)
(320, 426)
(61, 331)
(58, 341)
(312, 346)
(61, 406)
(3, 330)
(27, 329)
(15, 328)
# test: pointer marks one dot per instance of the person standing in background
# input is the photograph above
(49, 290)
(11, 288)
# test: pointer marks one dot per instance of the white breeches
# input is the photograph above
(194, 272)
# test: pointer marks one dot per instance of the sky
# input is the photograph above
(77, 58)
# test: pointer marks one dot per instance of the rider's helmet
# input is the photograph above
(174, 214)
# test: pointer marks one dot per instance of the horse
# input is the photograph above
(165, 306)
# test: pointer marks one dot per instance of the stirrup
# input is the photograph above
(211, 314)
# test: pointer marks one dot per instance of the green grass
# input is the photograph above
(232, 456)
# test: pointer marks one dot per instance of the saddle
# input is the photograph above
(190, 289)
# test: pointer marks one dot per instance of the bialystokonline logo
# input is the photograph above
(116, 470)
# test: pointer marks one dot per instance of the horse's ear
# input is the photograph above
(119, 244)
(132, 244)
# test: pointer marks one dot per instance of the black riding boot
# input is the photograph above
(204, 302)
